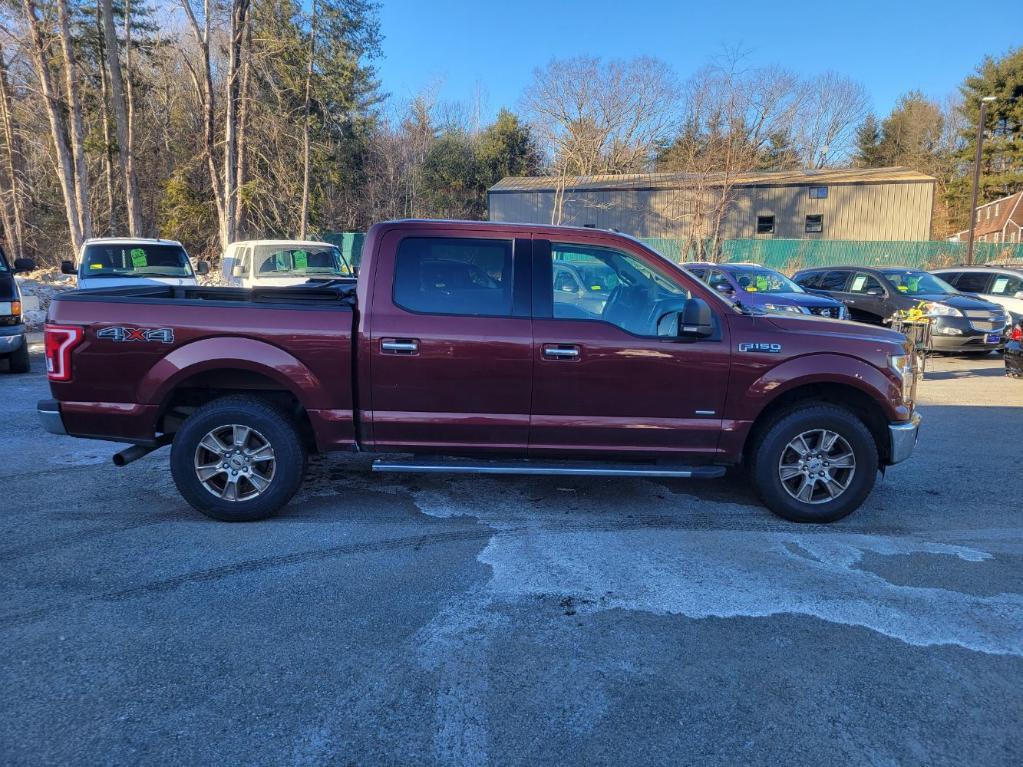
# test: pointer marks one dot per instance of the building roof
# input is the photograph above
(649, 181)
(1001, 212)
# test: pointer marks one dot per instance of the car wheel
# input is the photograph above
(814, 464)
(19, 361)
(238, 459)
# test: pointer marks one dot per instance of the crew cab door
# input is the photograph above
(604, 382)
(449, 342)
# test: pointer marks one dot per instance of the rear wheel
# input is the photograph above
(814, 464)
(18, 360)
(238, 459)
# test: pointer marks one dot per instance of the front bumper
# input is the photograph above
(11, 338)
(49, 416)
(902, 438)
(952, 334)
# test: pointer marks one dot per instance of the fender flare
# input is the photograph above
(230, 353)
(826, 368)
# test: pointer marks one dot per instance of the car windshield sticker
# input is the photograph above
(301, 260)
(858, 283)
(138, 258)
(95, 266)
(999, 286)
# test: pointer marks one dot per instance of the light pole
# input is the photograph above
(976, 176)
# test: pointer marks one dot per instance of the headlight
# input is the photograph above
(902, 364)
(786, 308)
(934, 309)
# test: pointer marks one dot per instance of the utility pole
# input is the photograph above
(976, 177)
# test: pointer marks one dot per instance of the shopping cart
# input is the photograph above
(918, 331)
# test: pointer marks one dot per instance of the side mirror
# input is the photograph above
(67, 267)
(1018, 294)
(696, 320)
(875, 292)
(202, 267)
(24, 265)
(724, 287)
(239, 270)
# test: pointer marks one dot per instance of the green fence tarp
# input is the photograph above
(791, 255)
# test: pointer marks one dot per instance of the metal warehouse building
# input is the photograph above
(841, 204)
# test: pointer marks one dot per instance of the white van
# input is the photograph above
(254, 263)
(116, 262)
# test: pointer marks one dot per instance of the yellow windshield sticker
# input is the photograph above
(595, 287)
(138, 258)
(902, 288)
(95, 266)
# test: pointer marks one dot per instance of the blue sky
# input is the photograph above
(890, 47)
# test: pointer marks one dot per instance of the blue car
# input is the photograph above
(757, 286)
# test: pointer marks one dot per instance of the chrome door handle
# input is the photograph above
(400, 346)
(561, 352)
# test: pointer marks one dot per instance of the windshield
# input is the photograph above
(3, 261)
(303, 261)
(765, 281)
(127, 259)
(915, 283)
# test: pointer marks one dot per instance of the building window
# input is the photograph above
(818, 193)
(765, 224)
(814, 224)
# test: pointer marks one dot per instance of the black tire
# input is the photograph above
(18, 360)
(771, 445)
(271, 425)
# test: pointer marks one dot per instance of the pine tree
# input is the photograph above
(868, 144)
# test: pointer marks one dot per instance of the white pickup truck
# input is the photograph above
(114, 262)
(276, 263)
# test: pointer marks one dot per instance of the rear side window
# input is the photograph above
(1006, 285)
(833, 280)
(970, 282)
(864, 283)
(440, 275)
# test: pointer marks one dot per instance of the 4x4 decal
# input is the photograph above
(152, 335)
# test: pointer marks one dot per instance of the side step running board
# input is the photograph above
(556, 468)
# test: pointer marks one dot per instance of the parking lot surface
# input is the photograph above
(467, 621)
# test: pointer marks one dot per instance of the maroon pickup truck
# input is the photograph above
(483, 348)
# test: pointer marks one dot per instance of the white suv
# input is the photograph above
(117, 262)
(1001, 285)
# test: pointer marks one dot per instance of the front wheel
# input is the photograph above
(815, 464)
(238, 459)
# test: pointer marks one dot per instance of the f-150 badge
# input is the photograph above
(760, 347)
(151, 335)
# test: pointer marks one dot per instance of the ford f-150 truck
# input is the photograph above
(461, 348)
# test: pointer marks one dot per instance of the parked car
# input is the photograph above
(13, 344)
(454, 343)
(1014, 351)
(586, 286)
(754, 285)
(110, 262)
(265, 263)
(959, 323)
(1002, 285)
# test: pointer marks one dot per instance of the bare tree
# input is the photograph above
(596, 117)
(120, 107)
(58, 130)
(203, 84)
(304, 216)
(74, 101)
(831, 106)
(11, 176)
(239, 17)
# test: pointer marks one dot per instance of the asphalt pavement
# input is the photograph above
(464, 621)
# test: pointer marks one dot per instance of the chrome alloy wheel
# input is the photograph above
(235, 463)
(817, 466)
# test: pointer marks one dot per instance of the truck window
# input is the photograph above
(441, 275)
(618, 288)
(135, 259)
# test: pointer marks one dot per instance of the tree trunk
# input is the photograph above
(305, 128)
(77, 129)
(131, 190)
(243, 122)
(239, 12)
(11, 173)
(58, 131)
(129, 94)
(108, 140)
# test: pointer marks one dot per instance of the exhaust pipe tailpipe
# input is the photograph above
(134, 452)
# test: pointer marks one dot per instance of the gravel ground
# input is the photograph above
(460, 621)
